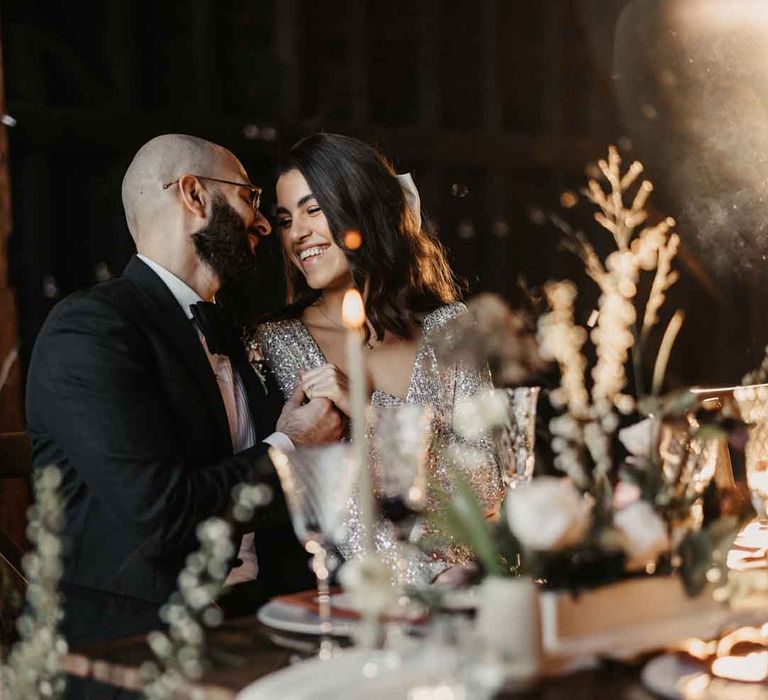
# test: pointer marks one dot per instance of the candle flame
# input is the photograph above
(353, 310)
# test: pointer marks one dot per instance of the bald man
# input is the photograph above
(153, 417)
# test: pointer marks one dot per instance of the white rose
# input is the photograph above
(644, 534)
(548, 513)
(369, 582)
(638, 438)
(479, 414)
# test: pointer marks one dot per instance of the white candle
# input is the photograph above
(353, 317)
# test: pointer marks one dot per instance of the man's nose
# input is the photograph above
(261, 224)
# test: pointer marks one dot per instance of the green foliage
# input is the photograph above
(460, 517)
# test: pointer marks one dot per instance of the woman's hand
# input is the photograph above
(327, 382)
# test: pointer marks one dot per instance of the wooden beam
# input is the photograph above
(14, 494)
(65, 129)
(286, 42)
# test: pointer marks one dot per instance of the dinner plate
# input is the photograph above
(317, 679)
(358, 673)
(284, 616)
(667, 675)
(672, 677)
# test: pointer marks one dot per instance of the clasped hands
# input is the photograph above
(323, 417)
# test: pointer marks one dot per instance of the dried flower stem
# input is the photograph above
(662, 359)
(560, 339)
(664, 278)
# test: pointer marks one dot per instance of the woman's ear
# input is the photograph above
(193, 195)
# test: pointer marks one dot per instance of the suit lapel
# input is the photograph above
(164, 311)
(264, 402)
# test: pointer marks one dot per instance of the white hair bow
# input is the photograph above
(411, 196)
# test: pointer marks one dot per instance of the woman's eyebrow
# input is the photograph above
(300, 203)
(305, 199)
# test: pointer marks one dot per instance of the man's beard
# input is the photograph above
(223, 244)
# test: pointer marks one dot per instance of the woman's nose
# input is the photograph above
(300, 231)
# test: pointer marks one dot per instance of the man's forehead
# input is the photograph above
(234, 166)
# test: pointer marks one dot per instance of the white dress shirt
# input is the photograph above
(241, 427)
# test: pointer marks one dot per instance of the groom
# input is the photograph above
(151, 415)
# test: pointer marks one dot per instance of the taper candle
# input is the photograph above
(353, 317)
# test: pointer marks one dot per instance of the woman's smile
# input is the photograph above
(310, 256)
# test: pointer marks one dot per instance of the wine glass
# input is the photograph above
(517, 436)
(753, 406)
(318, 483)
(400, 436)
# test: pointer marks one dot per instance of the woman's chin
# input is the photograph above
(323, 282)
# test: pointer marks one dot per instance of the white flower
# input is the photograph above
(369, 582)
(638, 438)
(622, 263)
(548, 513)
(479, 414)
(625, 493)
(644, 534)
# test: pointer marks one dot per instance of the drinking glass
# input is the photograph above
(400, 437)
(318, 483)
(753, 406)
(517, 436)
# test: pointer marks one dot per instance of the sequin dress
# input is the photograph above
(289, 350)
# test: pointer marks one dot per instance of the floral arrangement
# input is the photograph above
(181, 650)
(759, 375)
(633, 490)
(32, 669)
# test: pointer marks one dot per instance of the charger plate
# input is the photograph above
(298, 614)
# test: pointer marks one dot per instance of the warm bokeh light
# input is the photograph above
(752, 668)
(353, 239)
(353, 310)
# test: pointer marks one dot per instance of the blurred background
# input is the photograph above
(498, 108)
(495, 107)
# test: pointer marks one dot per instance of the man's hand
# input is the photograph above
(314, 423)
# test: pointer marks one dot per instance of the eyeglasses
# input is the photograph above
(255, 191)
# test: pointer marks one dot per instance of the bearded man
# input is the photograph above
(143, 397)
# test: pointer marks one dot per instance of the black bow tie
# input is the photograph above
(220, 334)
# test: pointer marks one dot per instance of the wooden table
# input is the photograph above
(253, 652)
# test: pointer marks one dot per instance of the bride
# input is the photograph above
(346, 220)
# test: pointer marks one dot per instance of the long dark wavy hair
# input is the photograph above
(400, 268)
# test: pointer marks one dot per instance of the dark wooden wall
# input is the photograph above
(495, 105)
(14, 492)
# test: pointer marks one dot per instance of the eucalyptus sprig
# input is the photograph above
(33, 669)
(180, 652)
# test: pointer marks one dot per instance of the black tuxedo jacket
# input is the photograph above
(122, 398)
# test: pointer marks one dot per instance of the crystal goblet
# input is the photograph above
(517, 436)
(400, 436)
(753, 406)
(318, 483)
